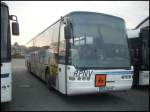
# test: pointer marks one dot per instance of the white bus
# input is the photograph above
(139, 47)
(6, 73)
(81, 53)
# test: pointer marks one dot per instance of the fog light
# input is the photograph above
(79, 78)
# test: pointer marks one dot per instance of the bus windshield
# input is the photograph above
(99, 44)
(4, 33)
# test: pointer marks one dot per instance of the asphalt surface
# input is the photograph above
(31, 94)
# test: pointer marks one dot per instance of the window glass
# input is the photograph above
(54, 42)
(100, 41)
(62, 45)
(4, 34)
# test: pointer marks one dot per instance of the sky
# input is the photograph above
(35, 16)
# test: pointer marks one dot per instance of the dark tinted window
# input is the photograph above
(5, 34)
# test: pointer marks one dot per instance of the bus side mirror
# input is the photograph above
(67, 30)
(15, 28)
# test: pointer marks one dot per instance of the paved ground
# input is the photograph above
(30, 93)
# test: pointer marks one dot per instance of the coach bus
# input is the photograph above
(139, 48)
(6, 73)
(82, 53)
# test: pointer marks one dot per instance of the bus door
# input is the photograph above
(135, 44)
(144, 35)
(62, 66)
(53, 68)
(54, 56)
(40, 63)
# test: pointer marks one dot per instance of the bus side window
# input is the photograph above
(40, 57)
(54, 43)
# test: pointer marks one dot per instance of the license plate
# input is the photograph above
(103, 89)
(100, 80)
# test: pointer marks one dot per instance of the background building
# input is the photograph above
(18, 50)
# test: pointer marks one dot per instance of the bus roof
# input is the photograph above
(141, 23)
(134, 33)
(88, 12)
(3, 3)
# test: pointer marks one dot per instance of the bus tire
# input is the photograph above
(47, 79)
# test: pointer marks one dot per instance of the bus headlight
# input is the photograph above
(126, 77)
(3, 87)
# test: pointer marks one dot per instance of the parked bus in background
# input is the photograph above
(81, 53)
(6, 73)
(139, 49)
